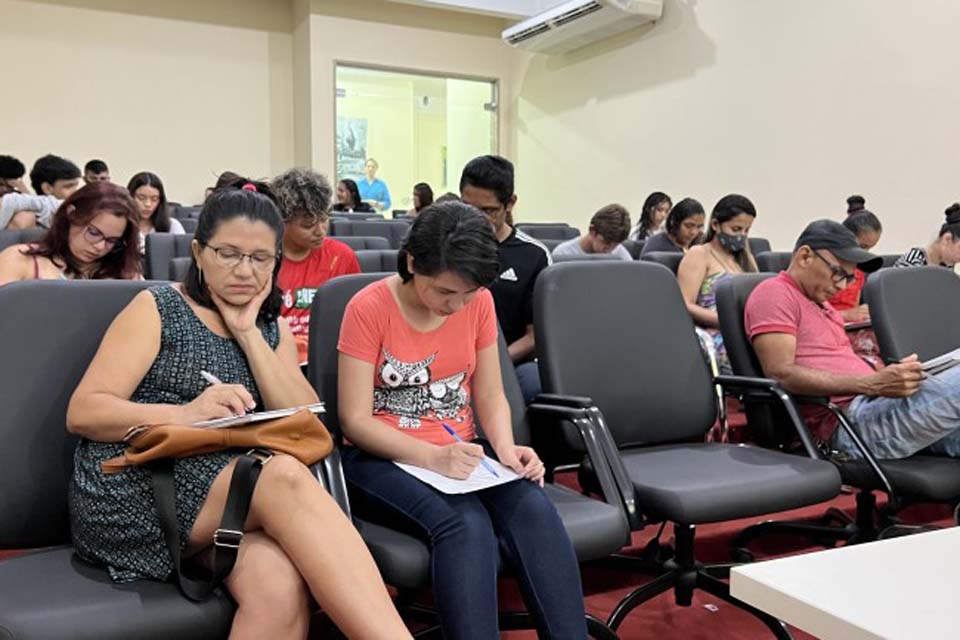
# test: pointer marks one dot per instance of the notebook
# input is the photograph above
(941, 363)
(260, 416)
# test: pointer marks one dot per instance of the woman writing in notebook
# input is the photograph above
(416, 350)
(148, 370)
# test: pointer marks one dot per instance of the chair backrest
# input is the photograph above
(10, 237)
(634, 247)
(190, 225)
(773, 261)
(915, 311)
(581, 257)
(619, 333)
(361, 243)
(326, 316)
(393, 230)
(377, 260)
(161, 248)
(550, 243)
(357, 215)
(50, 340)
(182, 213)
(179, 268)
(758, 245)
(889, 259)
(668, 259)
(549, 231)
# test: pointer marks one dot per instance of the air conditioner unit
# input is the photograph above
(577, 23)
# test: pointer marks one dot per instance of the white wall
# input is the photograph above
(796, 104)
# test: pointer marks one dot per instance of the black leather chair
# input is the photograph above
(393, 230)
(51, 593)
(362, 243)
(773, 261)
(549, 231)
(596, 528)
(585, 257)
(666, 258)
(635, 247)
(653, 402)
(758, 245)
(10, 237)
(161, 248)
(915, 479)
(378, 261)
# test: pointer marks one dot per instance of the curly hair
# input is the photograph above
(302, 193)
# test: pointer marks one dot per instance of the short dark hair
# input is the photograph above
(863, 220)
(612, 223)
(424, 194)
(254, 201)
(451, 236)
(686, 208)
(302, 193)
(952, 223)
(353, 190)
(11, 168)
(492, 173)
(161, 217)
(645, 224)
(96, 166)
(79, 209)
(49, 169)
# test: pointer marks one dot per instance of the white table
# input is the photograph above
(902, 588)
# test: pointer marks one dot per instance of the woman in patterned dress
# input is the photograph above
(147, 370)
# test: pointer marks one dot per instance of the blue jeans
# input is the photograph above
(892, 428)
(468, 535)
(528, 375)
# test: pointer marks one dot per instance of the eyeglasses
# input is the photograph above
(230, 258)
(94, 236)
(836, 271)
(311, 220)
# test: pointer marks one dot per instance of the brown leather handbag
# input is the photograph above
(302, 435)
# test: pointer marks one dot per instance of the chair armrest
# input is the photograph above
(771, 389)
(614, 481)
(563, 400)
(329, 473)
(874, 464)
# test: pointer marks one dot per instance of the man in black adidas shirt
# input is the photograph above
(487, 184)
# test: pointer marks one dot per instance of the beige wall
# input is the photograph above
(795, 104)
(182, 89)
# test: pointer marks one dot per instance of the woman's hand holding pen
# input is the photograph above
(217, 401)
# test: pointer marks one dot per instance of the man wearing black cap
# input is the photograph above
(800, 340)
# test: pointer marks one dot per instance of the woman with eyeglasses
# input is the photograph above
(297, 542)
(147, 191)
(310, 258)
(93, 235)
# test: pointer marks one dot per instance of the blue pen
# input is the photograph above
(456, 436)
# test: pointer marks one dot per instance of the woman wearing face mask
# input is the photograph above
(724, 252)
(93, 235)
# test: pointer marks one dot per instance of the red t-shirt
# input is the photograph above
(419, 379)
(778, 305)
(850, 296)
(299, 280)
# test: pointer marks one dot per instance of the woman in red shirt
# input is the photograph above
(416, 351)
(868, 229)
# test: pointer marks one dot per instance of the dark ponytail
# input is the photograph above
(952, 223)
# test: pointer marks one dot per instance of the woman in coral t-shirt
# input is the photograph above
(416, 349)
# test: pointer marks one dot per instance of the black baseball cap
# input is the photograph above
(840, 241)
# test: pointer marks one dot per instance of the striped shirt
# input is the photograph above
(915, 257)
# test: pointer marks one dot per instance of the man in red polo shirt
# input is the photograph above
(800, 341)
(310, 258)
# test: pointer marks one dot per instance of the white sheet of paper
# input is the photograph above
(479, 479)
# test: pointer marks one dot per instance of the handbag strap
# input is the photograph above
(227, 537)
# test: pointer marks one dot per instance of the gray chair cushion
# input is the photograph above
(10, 237)
(179, 268)
(549, 231)
(668, 259)
(403, 560)
(595, 528)
(377, 261)
(635, 247)
(773, 261)
(360, 243)
(393, 230)
(758, 245)
(190, 225)
(53, 595)
(161, 248)
(585, 257)
(918, 477)
(699, 483)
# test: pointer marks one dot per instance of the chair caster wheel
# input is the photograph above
(741, 555)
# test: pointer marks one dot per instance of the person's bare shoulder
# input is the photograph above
(14, 264)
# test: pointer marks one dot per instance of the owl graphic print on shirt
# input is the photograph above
(409, 392)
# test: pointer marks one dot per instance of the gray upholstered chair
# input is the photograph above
(596, 528)
(361, 243)
(635, 247)
(10, 237)
(668, 259)
(773, 261)
(179, 268)
(915, 479)
(549, 231)
(393, 230)
(585, 257)
(377, 261)
(653, 401)
(51, 593)
(161, 248)
(758, 245)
